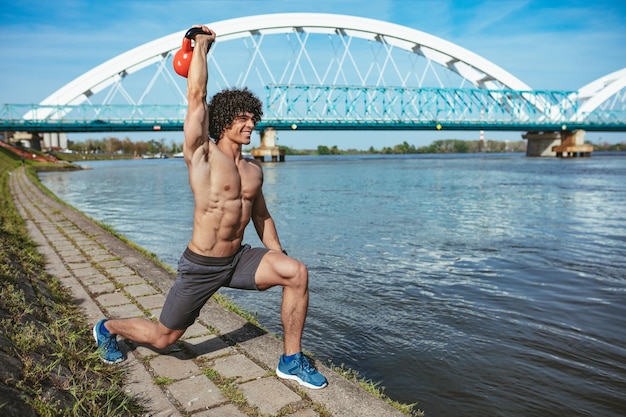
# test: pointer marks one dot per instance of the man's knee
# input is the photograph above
(301, 278)
(163, 342)
(166, 337)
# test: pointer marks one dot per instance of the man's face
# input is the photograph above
(241, 129)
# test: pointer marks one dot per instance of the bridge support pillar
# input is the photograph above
(554, 143)
(573, 144)
(55, 141)
(268, 147)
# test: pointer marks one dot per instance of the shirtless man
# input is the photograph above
(227, 191)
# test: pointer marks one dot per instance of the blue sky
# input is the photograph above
(555, 45)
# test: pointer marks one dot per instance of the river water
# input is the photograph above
(477, 285)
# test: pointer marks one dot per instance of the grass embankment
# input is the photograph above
(48, 366)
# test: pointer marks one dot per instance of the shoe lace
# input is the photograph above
(306, 365)
(111, 344)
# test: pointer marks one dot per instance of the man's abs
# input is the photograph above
(224, 191)
(219, 231)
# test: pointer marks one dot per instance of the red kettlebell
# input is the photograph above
(182, 58)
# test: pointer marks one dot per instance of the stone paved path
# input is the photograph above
(110, 278)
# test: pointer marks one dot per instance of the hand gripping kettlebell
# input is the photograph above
(182, 58)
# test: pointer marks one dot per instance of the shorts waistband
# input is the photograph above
(208, 260)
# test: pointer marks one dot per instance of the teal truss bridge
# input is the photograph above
(314, 107)
(324, 72)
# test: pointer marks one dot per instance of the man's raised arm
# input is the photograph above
(197, 121)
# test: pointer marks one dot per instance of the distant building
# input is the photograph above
(26, 140)
(55, 141)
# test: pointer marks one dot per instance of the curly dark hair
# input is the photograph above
(228, 104)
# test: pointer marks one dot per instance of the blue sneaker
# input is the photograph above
(300, 370)
(107, 345)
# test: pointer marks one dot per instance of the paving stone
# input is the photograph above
(195, 330)
(124, 311)
(151, 301)
(100, 257)
(174, 367)
(60, 243)
(208, 347)
(98, 289)
(74, 258)
(97, 278)
(196, 393)
(227, 410)
(85, 272)
(139, 290)
(305, 413)
(130, 260)
(112, 263)
(155, 313)
(64, 246)
(129, 280)
(112, 299)
(268, 394)
(57, 269)
(80, 265)
(238, 366)
(92, 248)
(120, 272)
(82, 241)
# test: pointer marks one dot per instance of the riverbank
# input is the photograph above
(224, 366)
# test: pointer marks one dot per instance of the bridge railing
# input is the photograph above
(91, 117)
(458, 105)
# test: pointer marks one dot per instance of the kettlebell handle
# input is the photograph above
(193, 32)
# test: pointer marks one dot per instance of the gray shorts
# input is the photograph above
(199, 277)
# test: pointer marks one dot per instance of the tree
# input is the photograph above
(176, 148)
(323, 150)
(141, 148)
(128, 146)
(154, 146)
(112, 145)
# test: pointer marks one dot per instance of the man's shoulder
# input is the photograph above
(253, 162)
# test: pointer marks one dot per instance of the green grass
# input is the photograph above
(46, 349)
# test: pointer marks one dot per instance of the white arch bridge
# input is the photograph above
(323, 71)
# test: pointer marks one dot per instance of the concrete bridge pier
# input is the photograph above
(55, 140)
(573, 144)
(560, 144)
(268, 147)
